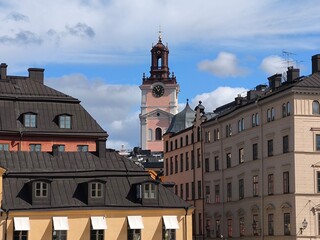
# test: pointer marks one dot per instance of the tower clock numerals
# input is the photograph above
(158, 91)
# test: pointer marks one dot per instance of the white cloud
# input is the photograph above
(276, 64)
(225, 65)
(218, 97)
(115, 107)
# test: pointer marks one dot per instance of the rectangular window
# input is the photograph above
(96, 190)
(41, 189)
(318, 142)
(229, 224)
(181, 191)
(30, 120)
(199, 190)
(175, 189)
(270, 148)
(192, 159)
(167, 146)
(216, 163)
(20, 235)
(181, 162)
(228, 158)
(134, 234)
(241, 189)
(187, 161)
(241, 155)
(255, 186)
(217, 193)
(206, 165)
(241, 226)
(96, 234)
(285, 144)
(229, 191)
(4, 147)
(286, 182)
(35, 147)
(198, 158)
(218, 231)
(187, 191)
(193, 191)
(208, 194)
(200, 223)
(176, 164)
(286, 221)
(270, 184)
(82, 148)
(167, 166)
(65, 121)
(149, 190)
(60, 235)
(318, 223)
(255, 151)
(171, 166)
(270, 225)
(318, 182)
(255, 225)
(168, 234)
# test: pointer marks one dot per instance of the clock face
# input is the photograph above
(158, 91)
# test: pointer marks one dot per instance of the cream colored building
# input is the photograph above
(261, 156)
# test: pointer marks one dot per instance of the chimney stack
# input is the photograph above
(275, 81)
(55, 150)
(36, 74)
(101, 148)
(315, 63)
(292, 74)
(3, 71)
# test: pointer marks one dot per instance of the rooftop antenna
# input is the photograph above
(288, 57)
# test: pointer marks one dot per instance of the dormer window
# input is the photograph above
(41, 189)
(96, 190)
(65, 121)
(30, 120)
(149, 191)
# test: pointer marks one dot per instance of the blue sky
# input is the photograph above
(97, 50)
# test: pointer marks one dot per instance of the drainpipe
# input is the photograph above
(185, 223)
(194, 180)
(19, 147)
(262, 170)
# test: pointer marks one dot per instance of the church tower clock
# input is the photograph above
(159, 99)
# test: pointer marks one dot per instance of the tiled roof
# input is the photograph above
(67, 171)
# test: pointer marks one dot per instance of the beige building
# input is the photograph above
(183, 161)
(261, 156)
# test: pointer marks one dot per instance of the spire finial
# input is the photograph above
(160, 33)
(187, 100)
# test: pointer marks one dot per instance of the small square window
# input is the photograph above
(4, 147)
(96, 234)
(96, 190)
(41, 189)
(30, 120)
(65, 121)
(35, 147)
(82, 148)
(20, 235)
(149, 191)
(59, 234)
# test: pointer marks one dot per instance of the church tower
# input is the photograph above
(159, 99)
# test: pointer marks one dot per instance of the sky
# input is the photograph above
(98, 50)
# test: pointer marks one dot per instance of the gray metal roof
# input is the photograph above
(19, 95)
(182, 120)
(67, 171)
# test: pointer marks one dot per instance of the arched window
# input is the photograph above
(253, 120)
(284, 110)
(268, 115)
(315, 107)
(149, 134)
(257, 119)
(158, 134)
(239, 126)
(242, 124)
(288, 109)
(199, 134)
(159, 62)
(273, 113)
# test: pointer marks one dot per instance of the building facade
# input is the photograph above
(261, 162)
(35, 117)
(183, 161)
(159, 99)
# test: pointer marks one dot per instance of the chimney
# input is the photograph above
(101, 148)
(3, 71)
(315, 63)
(55, 150)
(238, 99)
(36, 74)
(275, 81)
(292, 74)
